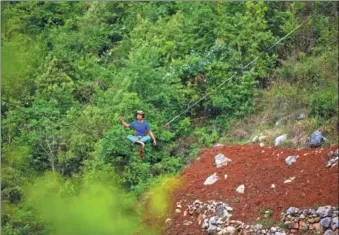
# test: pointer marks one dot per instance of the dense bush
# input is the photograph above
(71, 69)
(324, 102)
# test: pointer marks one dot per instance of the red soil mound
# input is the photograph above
(257, 168)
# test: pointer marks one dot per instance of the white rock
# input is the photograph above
(228, 208)
(225, 176)
(187, 223)
(280, 139)
(204, 224)
(325, 211)
(289, 180)
(168, 222)
(255, 138)
(272, 185)
(197, 202)
(221, 160)
(261, 144)
(335, 223)
(211, 179)
(230, 229)
(218, 145)
(241, 189)
(177, 210)
(291, 159)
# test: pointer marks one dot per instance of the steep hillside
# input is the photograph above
(263, 172)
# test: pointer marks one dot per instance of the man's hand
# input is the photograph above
(154, 142)
(125, 124)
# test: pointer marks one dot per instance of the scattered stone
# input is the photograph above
(214, 217)
(229, 209)
(168, 222)
(329, 232)
(187, 223)
(212, 221)
(289, 180)
(311, 221)
(197, 202)
(293, 230)
(212, 229)
(332, 162)
(291, 159)
(211, 179)
(241, 189)
(177, 210)
(272, 185)
(220, 210)
(301, 116)
(291, 225)
(255, 138)
(335, 223)
(325, 211)
(280, 139)
(204, 224)
(317, 219)
(273, 229)
(261, 144)
(292, 211)
(258, 227)
(218, 145)
(303, 225)
(280, 233)
(330, 154)
(325, 222)
(221, 160)
(225, 176)
(185, 213)
(230, 229)
(318, 227)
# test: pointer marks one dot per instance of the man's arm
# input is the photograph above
(125, 124)
(153, 138)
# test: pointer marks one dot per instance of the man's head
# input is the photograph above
(321, 129)
(140, 114)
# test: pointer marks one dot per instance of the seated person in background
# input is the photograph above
(317, 139)
(143, 133)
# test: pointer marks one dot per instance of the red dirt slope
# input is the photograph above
(257, 168)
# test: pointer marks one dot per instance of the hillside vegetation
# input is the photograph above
(71, 69)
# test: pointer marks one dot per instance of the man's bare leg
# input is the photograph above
(140, 149)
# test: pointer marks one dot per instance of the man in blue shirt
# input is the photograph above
(142, 129)
(317, 139)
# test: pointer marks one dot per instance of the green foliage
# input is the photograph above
(71, 69)
(324, 103)
(205, 136)
(96, 208)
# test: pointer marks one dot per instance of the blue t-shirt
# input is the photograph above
(140, 128)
